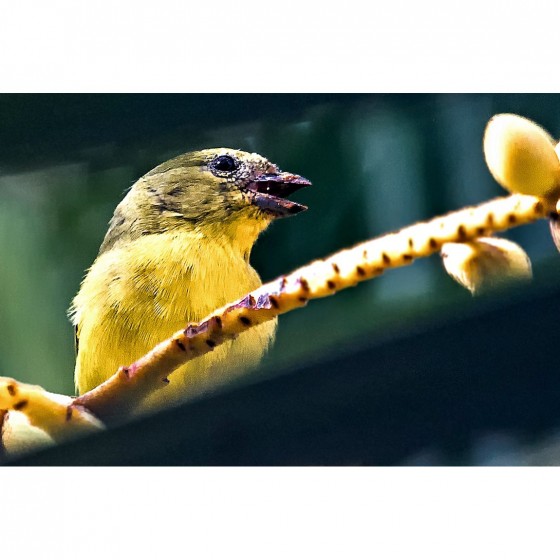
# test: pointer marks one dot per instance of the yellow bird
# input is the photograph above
(178, 247)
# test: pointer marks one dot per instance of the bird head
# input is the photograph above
(214, 188)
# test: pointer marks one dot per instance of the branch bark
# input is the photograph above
(116, 400)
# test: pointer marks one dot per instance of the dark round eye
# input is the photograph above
(225, 164)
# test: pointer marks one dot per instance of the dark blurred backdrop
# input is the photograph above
(377, 163)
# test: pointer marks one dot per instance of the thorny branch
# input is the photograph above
(112, 400)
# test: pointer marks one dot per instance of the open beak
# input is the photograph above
(269, 192)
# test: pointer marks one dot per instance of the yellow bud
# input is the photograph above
(485, 263)
(520, 155)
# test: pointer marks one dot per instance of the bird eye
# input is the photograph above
(225, 164)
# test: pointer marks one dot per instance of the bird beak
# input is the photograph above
(269, 192)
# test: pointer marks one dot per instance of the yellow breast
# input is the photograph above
(137, 295)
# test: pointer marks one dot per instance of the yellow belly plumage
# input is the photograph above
(139, 294)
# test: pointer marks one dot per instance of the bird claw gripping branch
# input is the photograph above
(520, 155)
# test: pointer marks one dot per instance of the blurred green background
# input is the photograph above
(377, 162)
